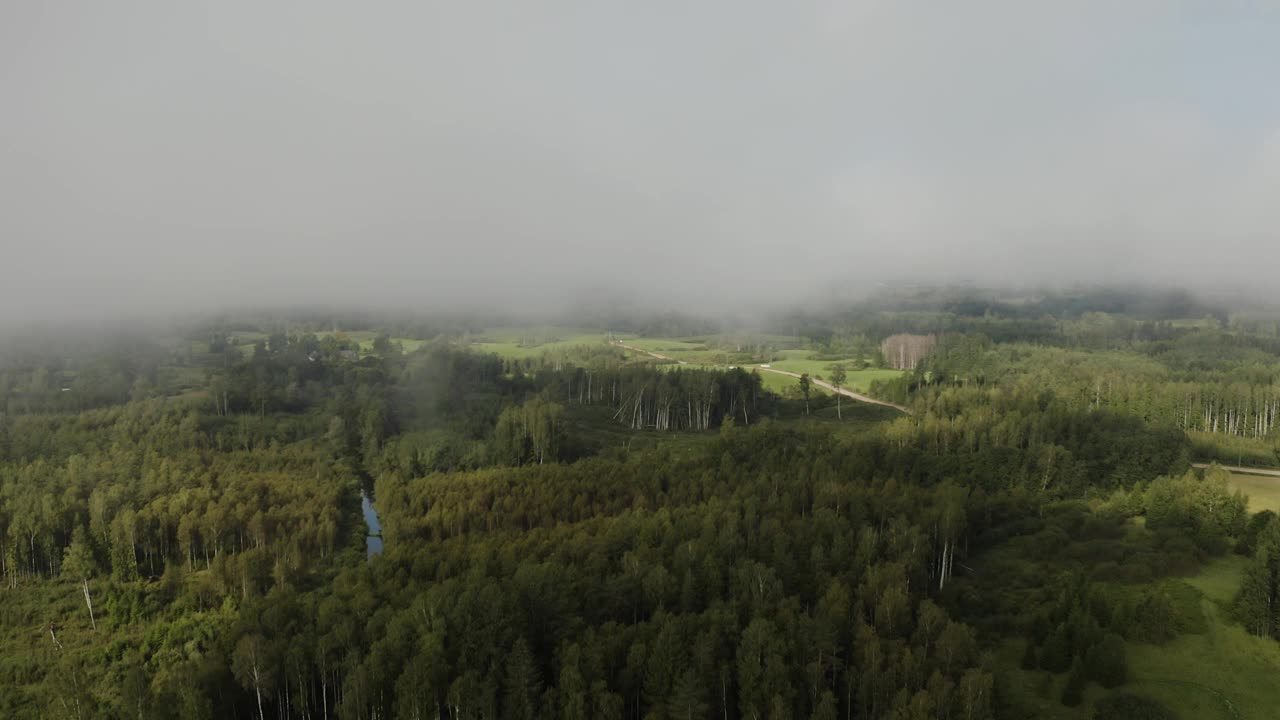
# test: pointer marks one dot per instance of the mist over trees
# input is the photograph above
(574, 529)
(760, 361)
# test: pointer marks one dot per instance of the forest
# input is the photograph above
(575, 529)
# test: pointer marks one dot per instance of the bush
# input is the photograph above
(1132, 572)
(1094, 552)
(1106, 663)
(1212, 541)
(1073, 692)
(1103, 527)
(1127, 706)
(1068, 516)
(1048, 542)
(1160, 613)
(1249, 538)
(1029, 659)
(1154, 619)
(1055, 656)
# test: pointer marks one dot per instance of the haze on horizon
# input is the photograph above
(174, 156)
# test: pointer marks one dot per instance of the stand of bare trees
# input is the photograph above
(904, 352)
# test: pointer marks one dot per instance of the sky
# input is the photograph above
(160, 156)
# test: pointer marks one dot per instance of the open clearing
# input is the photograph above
(712, 352)
(1221, 673)
(721, 350)
(1240, 667)
(1263, 490)
(520, 343)
(698, 351)
(797, 361)
(365, 339)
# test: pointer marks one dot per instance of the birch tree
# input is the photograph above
(78, 563)
(838, 375)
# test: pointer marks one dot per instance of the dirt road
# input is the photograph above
(650, 353)
(1243, 470)
(832, 388)
(820, 383)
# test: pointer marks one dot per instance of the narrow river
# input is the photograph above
(373, 540)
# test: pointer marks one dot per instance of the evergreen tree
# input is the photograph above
(826, 708)
(1029, 659)
(1073, 691)
(688, 698)
(522, 686)
(1106, 662)
(805, 387)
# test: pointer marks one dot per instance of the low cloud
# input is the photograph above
(158, 157)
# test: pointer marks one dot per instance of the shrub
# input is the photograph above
(1055, 656)
(1249, 538)
(1073, 692)
(1029, 659)
(1154, 619)
(1106, 663)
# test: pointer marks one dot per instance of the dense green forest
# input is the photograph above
(572, 529)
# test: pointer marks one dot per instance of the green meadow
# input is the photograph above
(1220, 672)
(709, 351)
(797, 361)
(520, 343)
(1263, 490)
(1223, 672)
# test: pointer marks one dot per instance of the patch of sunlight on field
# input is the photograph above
(1263, 490)
(1220, 579)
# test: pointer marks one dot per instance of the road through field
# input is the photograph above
(832, 388)
(1242, 470)
(820, 383)
(650, 353)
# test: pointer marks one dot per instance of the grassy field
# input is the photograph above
(781, 384)
(174, 380)
(1221, 673)
(696, 351)
(1220, 579)
(797, 361)
(716, 351)
(365, 338)
(1225, 664)
(519, 343)
(1263, 491)
(692, 351)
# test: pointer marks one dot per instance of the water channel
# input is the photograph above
(373, 540)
